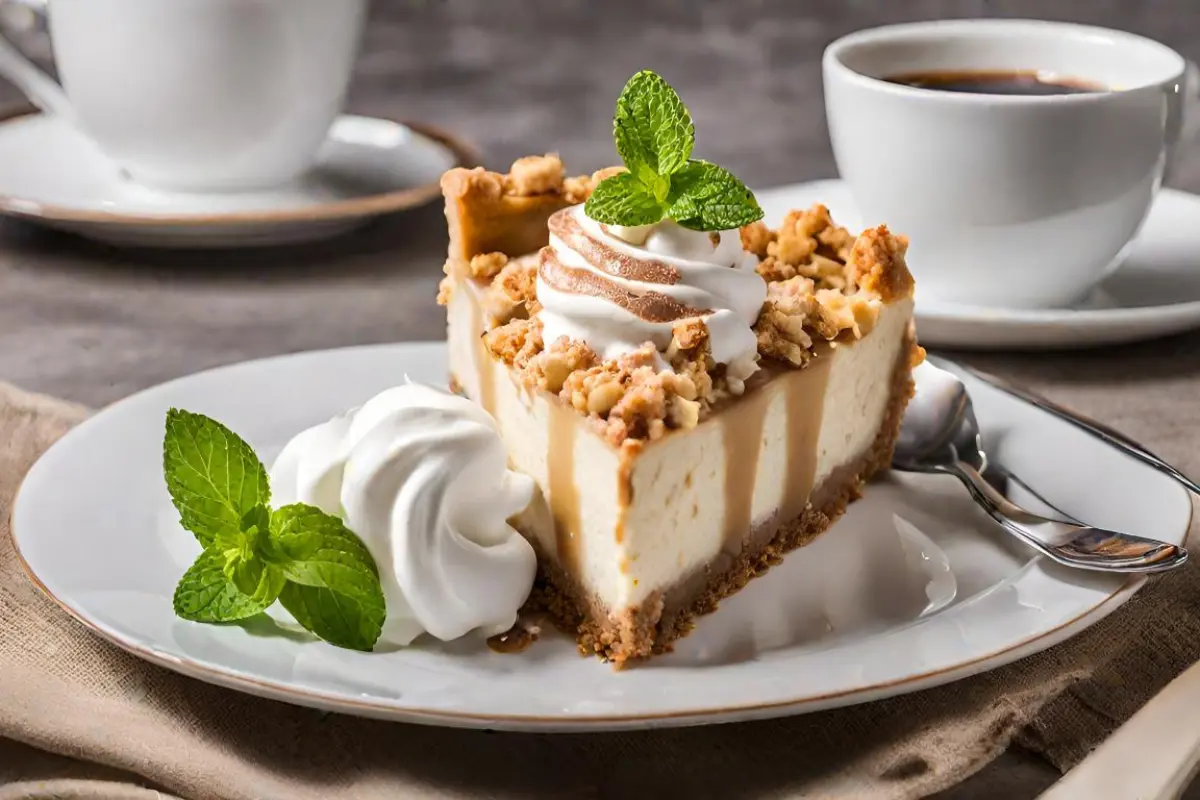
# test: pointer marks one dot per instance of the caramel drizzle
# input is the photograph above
(564, 494)
(649, 306)
(803, 398)
(743, 439)
(605, 257)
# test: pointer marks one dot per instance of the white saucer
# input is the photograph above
(1156, 291)
(50, 173)
(915, 586)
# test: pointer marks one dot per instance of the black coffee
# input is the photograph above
(996, 82)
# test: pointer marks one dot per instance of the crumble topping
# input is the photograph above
(530, 176)
(485, 266)
(631, 397)
(518, 343)
(535, 175)
(808, 243)
(802, 307)
(513, 292)
(824, 284)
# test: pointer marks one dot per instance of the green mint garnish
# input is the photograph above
(213, 476)
(299, 555)
(654, 135)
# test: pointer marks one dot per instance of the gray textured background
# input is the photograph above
(93, 323)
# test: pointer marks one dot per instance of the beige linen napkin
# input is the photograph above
(123, 725)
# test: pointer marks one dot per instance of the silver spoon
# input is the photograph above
(939, 434)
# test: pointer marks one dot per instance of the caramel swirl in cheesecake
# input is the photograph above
(647, 305)
(617, 289)
(605, 257)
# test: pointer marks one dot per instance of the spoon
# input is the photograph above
(939, 435)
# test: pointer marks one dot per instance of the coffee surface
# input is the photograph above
(1009, 82)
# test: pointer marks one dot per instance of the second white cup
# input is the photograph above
(1010, 200)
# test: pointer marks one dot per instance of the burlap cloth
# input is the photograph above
(129, 729)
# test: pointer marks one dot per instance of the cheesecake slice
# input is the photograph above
(668, 480)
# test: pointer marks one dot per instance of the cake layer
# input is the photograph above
(625, 525)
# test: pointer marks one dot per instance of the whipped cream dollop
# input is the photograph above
(422, 477)
(617, 288)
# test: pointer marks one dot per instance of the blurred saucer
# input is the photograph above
(1154, 293)
(53, 175)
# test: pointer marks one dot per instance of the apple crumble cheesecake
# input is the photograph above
(694, 395)
(668, 482)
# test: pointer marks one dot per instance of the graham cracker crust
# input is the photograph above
(652, 628)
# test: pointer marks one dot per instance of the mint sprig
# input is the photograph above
(254, 556)
(654, 135)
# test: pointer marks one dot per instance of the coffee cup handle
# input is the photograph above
(1191, 103)
(37, 86)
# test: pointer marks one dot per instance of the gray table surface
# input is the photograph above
(93, 323)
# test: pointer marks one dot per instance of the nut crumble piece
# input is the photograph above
(513, 292)
(690, 356)
(781, 325)
(757, 238)
(485, 266)
(445, 290)
(562, 359)
(876, 264)
(516, 342)
(535, 175)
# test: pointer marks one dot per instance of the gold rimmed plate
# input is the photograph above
(51, 174)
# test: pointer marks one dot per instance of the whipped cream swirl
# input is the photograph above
(421, 476)
(618, 288)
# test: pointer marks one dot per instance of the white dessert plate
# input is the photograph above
(1155, 292)
(912, 588)
(51, 174)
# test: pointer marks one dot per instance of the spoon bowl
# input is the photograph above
(939, 434)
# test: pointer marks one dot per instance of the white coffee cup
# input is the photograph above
(198, 95)
(1008, 200)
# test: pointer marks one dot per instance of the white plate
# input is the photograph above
(50, 173)
(1155, 292)
(913, 588)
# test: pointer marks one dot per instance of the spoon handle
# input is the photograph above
(1108, 435)
(1067, 542)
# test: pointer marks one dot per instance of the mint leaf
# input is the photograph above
(705, 197)
(622, 199)
(300, 533)
(205, 594)
(213, 476)
(651, 127)
(337, 618)
(333, 585)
